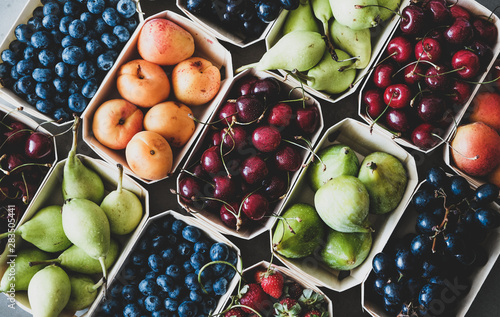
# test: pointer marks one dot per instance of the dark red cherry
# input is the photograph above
(460, 32)
(459, 12)
(267, 88)
(486, 30)
(466, 63)
(414, 73)
(266, 138)
(13, 163)
(413, 20)
(189, 189)
(428, 49)
(280, 115)
(382, 75)
(245, 85)
(199, 172)
(249, 108)
(38, 146)
(215, 138)
(227, 113)
(436, 79)
(235, 137)
(275, 186)
(397, 96)
(373, 100)
(225, 187)
(439, 12)
(423, 136)
(211, 160)
(17, 135)
(229, 216)
(255, 206)
(483, 51)
(431, 108)
(402, 49)
(398, 120)
(287, 158)
(461, 92)
(253, 170)
(307, 119)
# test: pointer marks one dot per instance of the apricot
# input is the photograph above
(486, 108)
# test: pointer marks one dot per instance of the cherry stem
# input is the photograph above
(441, 74)
(197, 177)
(26, 197)
(484, 82)
(373, 67)
(307, 148)
(212, 263)
(8, 113)
(13, 134)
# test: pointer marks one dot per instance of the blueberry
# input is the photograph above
(191, 281)
(184, 249)
(17, 47)
(75, 86)
(29, 52)
(36, 23)
(177, 227)
(202, 246)
(196, 296)
(16, 89)
(187, 308)
(206, 274)
(111, 17)
(268, 11)
(191, 233)
(26, 85)
(110, 307)
(151, 274)
(45, 106)
(148, 286)
(100, 25)
(62, 114)
(165, 282)
(174, 271)
(61, 69)
(77, 102)
(50, 21)
(486, 193)
(64, 24)
(111, 3)
(219, 252)
(86, 70)
(132, 310)
(94, 47)
(177, 292)
(172, 239)
(38, 12)
(168, 255)
(115, 290)
(197, 6)
(130, 293)
(77, 29)
(90, 88)
(383, 265)
(68, 41)
(14, 74)
(72, 8)
(198, 260)
(171, 304)
(96, 6)
(87, 18)
(42, 75)
(41, 39)
(152, 303)
(9, 57)
(290, 4)
(4, 70)
(73, 55)
(57, 36)
(23, 32)
(105, 61)
(126, 8)
(220, 286)
(208, 305)
(122, 33)
(109, 40)
(25, 67)
(131, 24)
(51, 8)
(219, 268)
(188, 268)
(155, 262)
(232, 257)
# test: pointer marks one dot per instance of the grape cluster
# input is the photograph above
(250, 17)
(161, 277)
(426, 273)
(60, 56)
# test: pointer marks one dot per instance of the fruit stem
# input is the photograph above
(245, 67)
(451, 147)
(72, 152)
(373, 67)
(211, 263)
(484, 82)
(120, 178)
(13, 134)
(104, 275)
(48, 262)
(26, 198)
(201, 179)
(8, 113)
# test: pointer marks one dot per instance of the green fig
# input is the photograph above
(83, 291)
(356, 43)
(77, 260)
(299, 50)
(343, 204)
(330, 76)
(323, 12)
(19, 272)
(301, 19)
(387, 8)
(87, 226)
(335, 160)
(49, 291)
(346, 251)
(298, 232)
(44, 230)
(358, 14)
(122, 207)
(80, 181)
(385, 179)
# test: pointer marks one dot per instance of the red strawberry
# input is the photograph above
(259, 275)
(235, 312)
(313, 313)
(272, 283)
(254, 297)
(287, 307)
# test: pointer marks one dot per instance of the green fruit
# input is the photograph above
(355, 42)
(345, 251)
(83, 292)
(19, 272)
(330, 76)
(301, 19)
(338, 159)
(385, 179)
(393, 5)
(308, 230)
(49, 291)
(343, 204)
(348, 14)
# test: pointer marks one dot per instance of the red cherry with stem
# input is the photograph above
(266, 138)
(227, 113)
(267, 88)
(249, 108)
(431, 108)
(461, 92)
(245, 85)
(26, 190)
(287, 158)
(460, 32)
(413, 73)
(229, 216)
(424, 136)
(255, 206)
(275, 186)
(225, 187)
(398, 120)
(17, 135)
(373, 100)
(458, 11)
(483, 51)
(211, 160)
(466, 63)
(39, 146)
(400, 49)
(253, 170)
(215, 138)
(307, 119)
(199, 172)
(486, 30)
(428, 49)
(397, 96)
(382, 75)
(234, 137)
(438, 11)
(436, 78)
(13, 163)
(413, 20)
(280, 115)
(189, 189)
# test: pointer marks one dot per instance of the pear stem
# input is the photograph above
(48, 262)
(120, 178)
(104, 274)
(6, 234)
(245, 67)
(72, 152)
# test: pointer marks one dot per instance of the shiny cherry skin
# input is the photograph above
(466, 63)
(228, 215)
(235, 137)
(458, 11)
(39, 146)
(460, 32)
(435, 79)
(275, 186)
(486, 30)
(249, 108)
(287, 158)
(382, 75)
(398, 120)
(413, 20)
(307, 119)
(267, 88)
(461, 91)
(438, 11)
(189, 189)
(211, 160)
(254, 169)
(431, 108)
(280, 115)
(266, 138)
(428, 49)
(245, 85)
(397, 96)
(373, 100)
(402, 49)
(225, 187)
(423, 136)
(414, 73)
(227, 113)
(255, 206)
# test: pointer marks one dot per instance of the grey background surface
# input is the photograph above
(346, 304)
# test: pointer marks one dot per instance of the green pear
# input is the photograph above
(346, 251)
(44, 230)
(356, 14)
(307, 231)
(299, 50)
(323, 12)
(301, 19)
(335, 160)
(122, 207)
(385, 179)
(19, 272)
(87, 226)
(330, 76)
(49, 291)
(83, 291)
(387, 8)
(343, 204)
(77, 260)
(80, 181)
(356, 43)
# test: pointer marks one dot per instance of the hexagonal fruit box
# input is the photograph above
(292, 294)
(268, 128)
(344, 206)
(440, 252)
(45, 35)
(27, 153)
(41, 219)
(418, 95)
(173, 118)
(326, 80)
(172, 262)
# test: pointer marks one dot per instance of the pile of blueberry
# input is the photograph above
(250, 17)
(60, 56)
(427, 273)
(161, 277)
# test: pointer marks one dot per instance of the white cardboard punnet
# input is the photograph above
(206, 46)
(357, 136)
